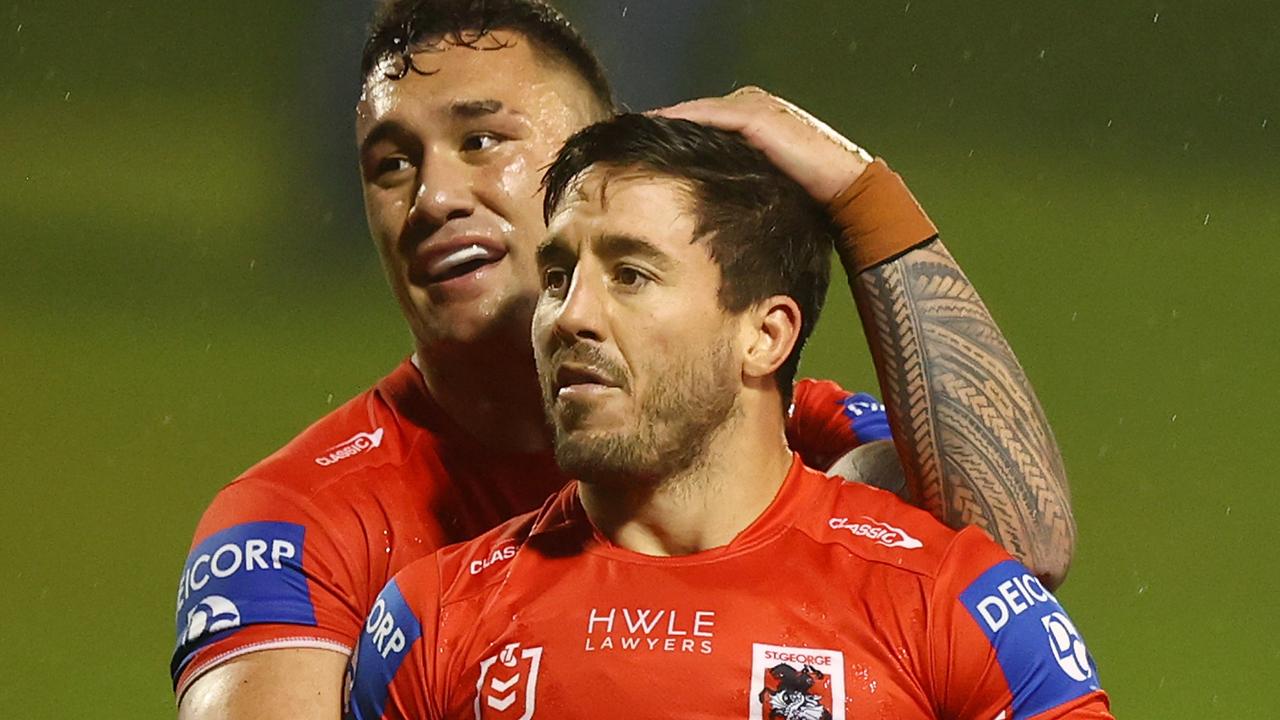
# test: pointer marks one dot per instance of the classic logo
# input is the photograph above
(508, 683)
(1068, 646)
(211, 614)
(791, 683)
(505, 551)
(358, 443)
(878, 532)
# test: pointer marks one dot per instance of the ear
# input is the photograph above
(772, 327)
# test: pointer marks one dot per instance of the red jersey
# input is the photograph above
(838, 602)
(294, 552)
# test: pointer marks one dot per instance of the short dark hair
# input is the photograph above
(767, 234)
(400, 27)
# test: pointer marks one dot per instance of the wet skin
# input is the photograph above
(451, 162)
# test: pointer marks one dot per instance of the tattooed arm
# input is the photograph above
(974, 443)
(974, 440)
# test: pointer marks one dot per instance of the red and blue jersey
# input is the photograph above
(294, 552)
(838, 602)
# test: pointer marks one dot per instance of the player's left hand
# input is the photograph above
(821, 160)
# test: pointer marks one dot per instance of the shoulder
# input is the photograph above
(368, 441)
(467, 569)
(877, 527)
(367, 433)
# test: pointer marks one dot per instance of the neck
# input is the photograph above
(492, 393)
(706, 505)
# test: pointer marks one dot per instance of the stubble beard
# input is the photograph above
(677, 422)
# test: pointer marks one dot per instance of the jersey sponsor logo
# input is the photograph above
(881, 533)
(1068, 646)
(651, 630)
(860, 404)
(867, 417)
(246, 574)
(508, 683)
(390, 631)
(212, 613)
(358, 443)
(499, 554)
(794, 683)
(1041, 653)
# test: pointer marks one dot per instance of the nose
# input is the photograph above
(445, 190)
(582, 313)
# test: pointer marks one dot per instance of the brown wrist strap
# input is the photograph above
(879, 219)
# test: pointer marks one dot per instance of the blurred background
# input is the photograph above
(186, 281)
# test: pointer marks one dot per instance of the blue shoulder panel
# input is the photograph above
(867, 418)
(389, 633)
(1041, 653)
(247, 574)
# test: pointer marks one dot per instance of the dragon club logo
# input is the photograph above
(791, 683)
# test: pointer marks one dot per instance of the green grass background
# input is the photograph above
(185, 282)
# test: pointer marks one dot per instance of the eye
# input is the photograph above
(629, 278)
(481, 141)
(391, 165)
(555, 280)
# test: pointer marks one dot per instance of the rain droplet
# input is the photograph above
(914, 66)
(906, 9)
(1109, 123)
(1156, 19)
(1041, 54)
(1264, 122)
(624, 10)
(253, 264)
(1228, 509)
(1174, 418)
(67, 97)
(1074, 315)
(1142, 588)
(1206, 219)
(329, 401)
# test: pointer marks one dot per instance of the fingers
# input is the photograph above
(734, 112)
(803, 147)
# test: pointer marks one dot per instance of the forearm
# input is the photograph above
(975, 444)
(971, 435)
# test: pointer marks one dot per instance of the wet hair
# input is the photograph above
(402, 27)
(766, 233)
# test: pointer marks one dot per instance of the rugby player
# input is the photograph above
(463, 103)
(697, 568)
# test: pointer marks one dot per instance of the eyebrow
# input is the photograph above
(463, 109)
(609, 247)
(475, 108)
(551, 250)
(619, 245)
(385, 130)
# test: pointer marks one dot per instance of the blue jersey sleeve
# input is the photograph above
(260, 575)
(388, 675)
(826, 422)
(1037, 663)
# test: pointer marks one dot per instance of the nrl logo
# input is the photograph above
(508, 683)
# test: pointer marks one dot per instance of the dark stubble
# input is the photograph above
(690, 398)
